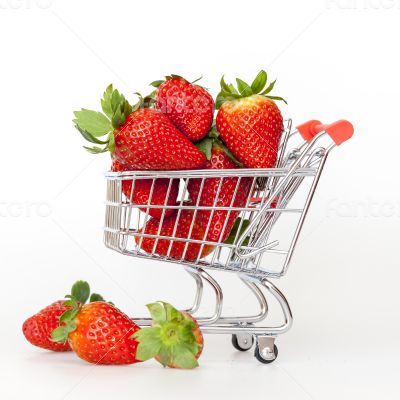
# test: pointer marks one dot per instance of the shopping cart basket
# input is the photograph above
(267, 229)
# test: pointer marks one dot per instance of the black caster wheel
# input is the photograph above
(266, 356)
(242, 341)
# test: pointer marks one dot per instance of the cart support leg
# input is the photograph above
(259, 331)
(203, 275)
(199, 291)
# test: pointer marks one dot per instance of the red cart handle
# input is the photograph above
(339, 131)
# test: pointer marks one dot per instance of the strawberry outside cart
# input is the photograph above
(261, 247)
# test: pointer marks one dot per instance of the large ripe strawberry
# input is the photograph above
(249, 121)
(37, 329)
(143, 188)
(98, 333)
(175, 248)
(219, 192)
(174, 340)
(190, 107)
(140, 138)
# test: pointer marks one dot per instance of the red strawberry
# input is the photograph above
(148, 140)
(139, 138)
(143, 189)
(103, 335)
(182, 222)
(175, 339)
(37, 329)
(231, 193)
(249, 122)
(97, 332)
(190, 107)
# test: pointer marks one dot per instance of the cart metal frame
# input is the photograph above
(271, 196)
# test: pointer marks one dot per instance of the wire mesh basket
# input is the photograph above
(269, 216)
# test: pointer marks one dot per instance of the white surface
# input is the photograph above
(333, 59)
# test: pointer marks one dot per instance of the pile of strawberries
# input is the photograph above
(174, 129)
(171, 129)
(100, 333)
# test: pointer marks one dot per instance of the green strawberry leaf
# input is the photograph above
(219, 101)
(233, 89)
(196, 80)
(96, 123)
(186, 331)
(106, 101)
(95, 150)
(277, 98)
(150, 343)
(259, 82)
(146, 351)
(138, 104)
(172, 314)
(150, 333)
(224, 86)
(269, 88)
(118, 118)
(243, 226)
(225, 96)
(157, 83)
(174, 76)
(127, 108)
(193, 347)
(59, 335)
(244, 88)
(231, 96)
(70, 326)
(89, 137)
(69, 314)
(111, 142)
(157, 311)
(165, 356)
(95, 297)
(81, 291)
(185, 359)
(116, 99)
(205, 146)
(213, 133)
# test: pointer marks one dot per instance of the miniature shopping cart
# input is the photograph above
(269, 227)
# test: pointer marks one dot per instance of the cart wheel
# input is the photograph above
(242, 341)
(266, 356)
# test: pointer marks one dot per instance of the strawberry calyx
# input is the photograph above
(212, 140)
(80, 294)
(159, 82)
(237, 231)
(229, 92)
(150, 99)
(170, 339)
(98, 127)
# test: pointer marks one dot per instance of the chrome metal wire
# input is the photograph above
(269, 198)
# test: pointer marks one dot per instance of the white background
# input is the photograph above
(333, 59)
